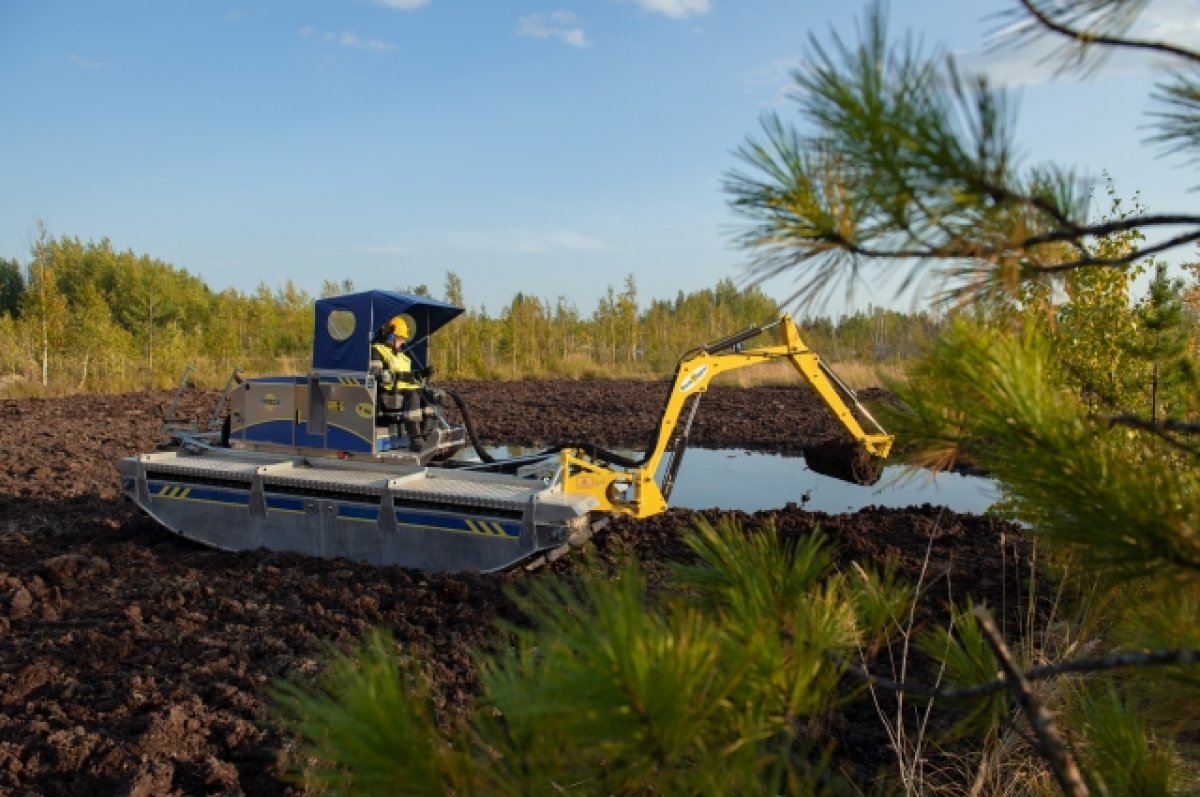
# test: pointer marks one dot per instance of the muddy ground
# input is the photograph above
(134, 662)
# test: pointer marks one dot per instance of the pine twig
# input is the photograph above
(1157, 658)
(1051, 743)
(1162, 429)
(1088, 38)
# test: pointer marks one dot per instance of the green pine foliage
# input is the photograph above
(370, 716)
(712, 684)
(968, 661)
(1052, 375)
(1121, 755)
(995, 397)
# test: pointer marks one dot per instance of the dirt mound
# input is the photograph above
(135, 662)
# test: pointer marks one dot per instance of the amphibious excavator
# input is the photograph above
(313, 464)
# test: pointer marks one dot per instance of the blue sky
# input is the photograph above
(545, 147)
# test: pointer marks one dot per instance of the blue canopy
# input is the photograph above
(346, 326)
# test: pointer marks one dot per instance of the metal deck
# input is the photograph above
(404, 482)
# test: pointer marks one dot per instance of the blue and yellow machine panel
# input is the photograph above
(264, 411)
(341, 412)
(332, 411)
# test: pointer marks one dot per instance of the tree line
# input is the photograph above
(82, 316)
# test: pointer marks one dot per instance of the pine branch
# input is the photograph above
(1163, 429)
(1127, 259)
(1051, 743)
(1074, 231)
(1115, 661)
(1087, 39)
(1070, 233)
(1001, 195)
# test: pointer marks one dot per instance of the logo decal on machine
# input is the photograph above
(270, 401)
(693, 378)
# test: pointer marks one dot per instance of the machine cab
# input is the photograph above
(334, 409)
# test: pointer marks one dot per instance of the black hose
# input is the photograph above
(484, 456)
(733, 340)
(591, 449)
(600, 454)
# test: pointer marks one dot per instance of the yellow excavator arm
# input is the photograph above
(630, 488)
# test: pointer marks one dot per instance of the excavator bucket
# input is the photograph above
(848, 462)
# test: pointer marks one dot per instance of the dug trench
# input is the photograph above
(135, 662)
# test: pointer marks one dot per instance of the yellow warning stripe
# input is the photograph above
(485, 527)
(181, 493)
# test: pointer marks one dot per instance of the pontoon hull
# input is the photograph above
(379, 513)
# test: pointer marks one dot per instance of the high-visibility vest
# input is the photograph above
(400, 366)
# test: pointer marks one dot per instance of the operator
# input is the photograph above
(401, 389)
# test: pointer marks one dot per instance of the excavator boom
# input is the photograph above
(633, 490)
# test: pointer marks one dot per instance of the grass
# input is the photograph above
(856, 375)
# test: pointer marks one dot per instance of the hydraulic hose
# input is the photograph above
(600, 454)
(591, 449)
(484, 456)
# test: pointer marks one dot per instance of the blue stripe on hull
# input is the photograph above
(201, 493)
(357, 512)
(361, 513)
(486, 527)
(281, 503)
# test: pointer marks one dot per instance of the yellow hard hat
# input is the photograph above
(400, 326)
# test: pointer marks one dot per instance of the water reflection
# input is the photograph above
(749, 481)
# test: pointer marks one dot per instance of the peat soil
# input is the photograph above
(135, 662)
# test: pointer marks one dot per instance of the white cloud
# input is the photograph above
(494, 241)
(348, 39)
(775, 78)
(402, 5)
(526, 242)
(677, 9)
(87, 63)
(561, 25)
(1174, 21)
(1029, 64)
(391, 250)
(1041, 62)
(557, 241)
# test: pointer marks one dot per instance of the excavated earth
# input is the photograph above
(135, 662)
